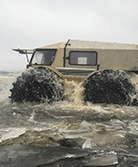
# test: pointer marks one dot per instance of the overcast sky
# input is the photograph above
(35, 23)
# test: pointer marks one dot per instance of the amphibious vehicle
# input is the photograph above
(104, 70)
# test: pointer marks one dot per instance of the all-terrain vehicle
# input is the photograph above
(102, 68)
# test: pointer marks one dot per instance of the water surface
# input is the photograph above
(66, 133)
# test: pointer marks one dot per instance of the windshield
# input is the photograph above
(43, 56)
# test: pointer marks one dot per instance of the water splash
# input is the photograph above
(38, 84)
(5, 85)
(73, 93)
(110, 86)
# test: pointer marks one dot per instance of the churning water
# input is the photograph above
(68, 133)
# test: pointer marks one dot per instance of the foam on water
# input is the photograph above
(110, 127)
(74, 101)
(5, 85)
(10, 133)
(73, 94)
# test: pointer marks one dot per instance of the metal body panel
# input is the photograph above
(69, 77)
(74, 71)
(109, 56)
(101, 45)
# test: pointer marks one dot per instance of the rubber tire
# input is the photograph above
(109, 86)
(38, 84)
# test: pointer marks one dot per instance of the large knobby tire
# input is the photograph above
(39, 85)
(110, 86)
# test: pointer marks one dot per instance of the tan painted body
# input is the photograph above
(109, 56)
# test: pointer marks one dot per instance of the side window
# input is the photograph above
(83, 58)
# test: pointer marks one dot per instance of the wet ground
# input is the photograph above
(66, 133)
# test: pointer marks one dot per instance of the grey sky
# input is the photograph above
(33, 23)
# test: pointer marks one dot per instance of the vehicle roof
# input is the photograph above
(54, 46)
(91, 44)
